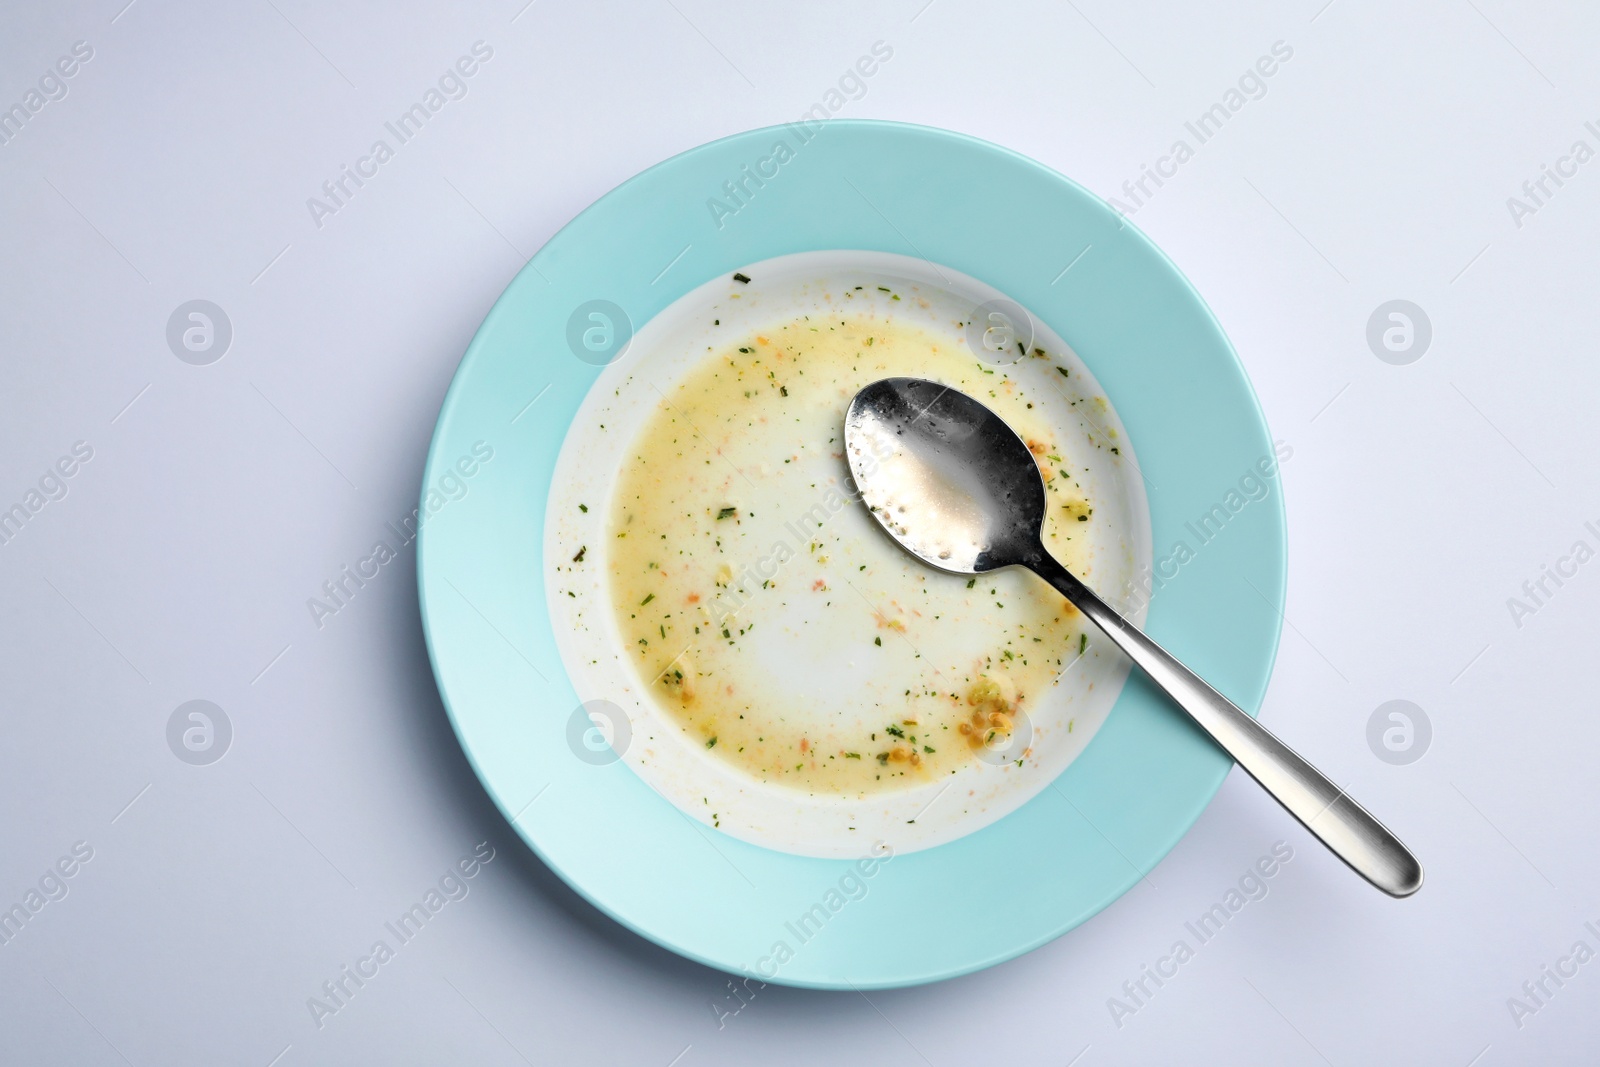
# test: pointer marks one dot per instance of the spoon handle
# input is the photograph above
(1338, 821)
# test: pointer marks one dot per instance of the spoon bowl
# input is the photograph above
(944, 475)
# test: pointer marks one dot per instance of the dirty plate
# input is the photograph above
(886, 917)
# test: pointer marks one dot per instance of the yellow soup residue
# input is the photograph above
(778, 627)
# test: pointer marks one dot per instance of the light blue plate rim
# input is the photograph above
(1167, 368)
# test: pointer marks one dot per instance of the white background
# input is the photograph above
(219, 898)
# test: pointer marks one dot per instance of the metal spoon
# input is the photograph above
(957, 488)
